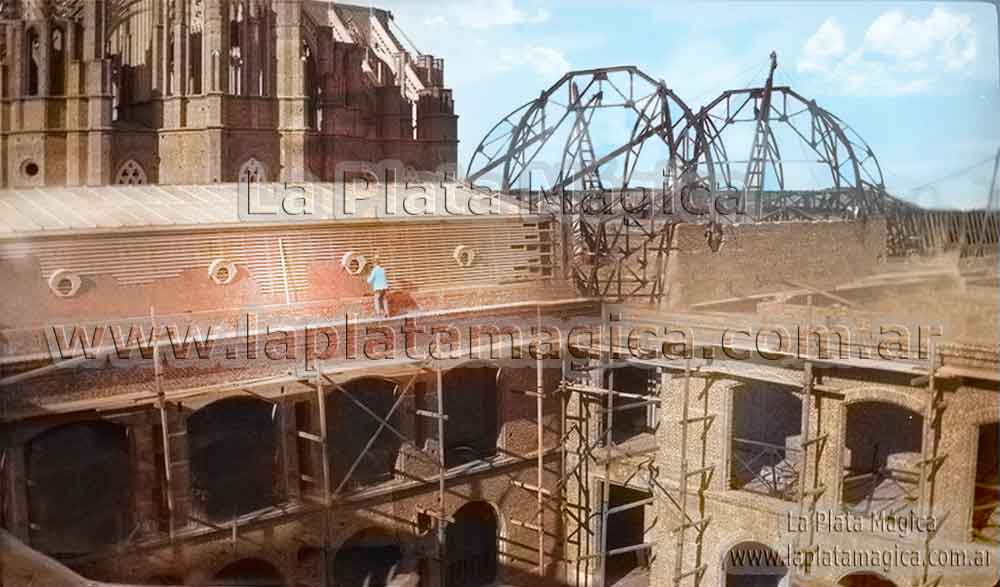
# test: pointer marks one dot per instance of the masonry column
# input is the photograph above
(15, 501)
(44, 30)
(215, 76)
(665, 511)
(144, 467)
(76, 124)
(180, 466)
(954, 485)
(288, 442)
(828, 413)
(174, 115)
(98, 94)
(291, 99)
(582, 495)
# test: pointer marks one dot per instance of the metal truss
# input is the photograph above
(855, 184)
(616, 234)
(656, 114)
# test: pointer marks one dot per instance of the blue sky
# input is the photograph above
(918, 81)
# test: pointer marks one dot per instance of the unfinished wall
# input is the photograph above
(246, 456)
(760, 258)
(858, 417)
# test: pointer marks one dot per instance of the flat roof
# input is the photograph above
(54, 210)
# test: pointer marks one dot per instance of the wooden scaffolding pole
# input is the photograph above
(441, 529)
(704, 472)
(685, 406)
(323, 432)
(540, 463)
(804, 493)
(161, 404)
(606, 397)
(605, 358)
(930, 462)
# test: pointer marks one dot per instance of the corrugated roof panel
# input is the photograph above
(112, 207)
(84, 206)
(27, 203)
(13, 220)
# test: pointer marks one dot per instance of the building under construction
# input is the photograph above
(591, 375)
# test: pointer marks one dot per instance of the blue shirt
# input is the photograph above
(377, 278)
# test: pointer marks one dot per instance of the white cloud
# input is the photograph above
(436, 21)
(899, 54)
(486, 14)
(942, 34)
(826, 43)
(547, 62)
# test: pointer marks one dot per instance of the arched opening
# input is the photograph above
(883, 445)
(354, 409)
(79, 495)
(237, 57)
(470, 399)
(369, 558)
(986, 503)
(252, 171)
(195, 49)
(632, 416)
(250, 49)
(471, 543)
(57, 63)
(865, 579)
(248, 572)
(766, 445)
(233, 457)
(752, 564)
(34, 60)
(310, 87)
(131, 173)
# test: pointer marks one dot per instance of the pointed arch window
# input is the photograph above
(131, 173)
(34, 47)
(57, 64)
(252, 171)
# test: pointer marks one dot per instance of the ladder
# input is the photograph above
(810, 486)
(753, 181)
(579, 144)
(592, 179)
(692, 518)
(930, 463)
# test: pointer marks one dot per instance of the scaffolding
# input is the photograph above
(587, 445)
(694, 475)
(324, 496)
(930, 463)
(695, 471)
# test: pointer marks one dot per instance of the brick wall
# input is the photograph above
(757, 258)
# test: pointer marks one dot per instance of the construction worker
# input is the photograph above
(380, 286)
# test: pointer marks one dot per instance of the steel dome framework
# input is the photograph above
(564, 113)
(617, 234)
